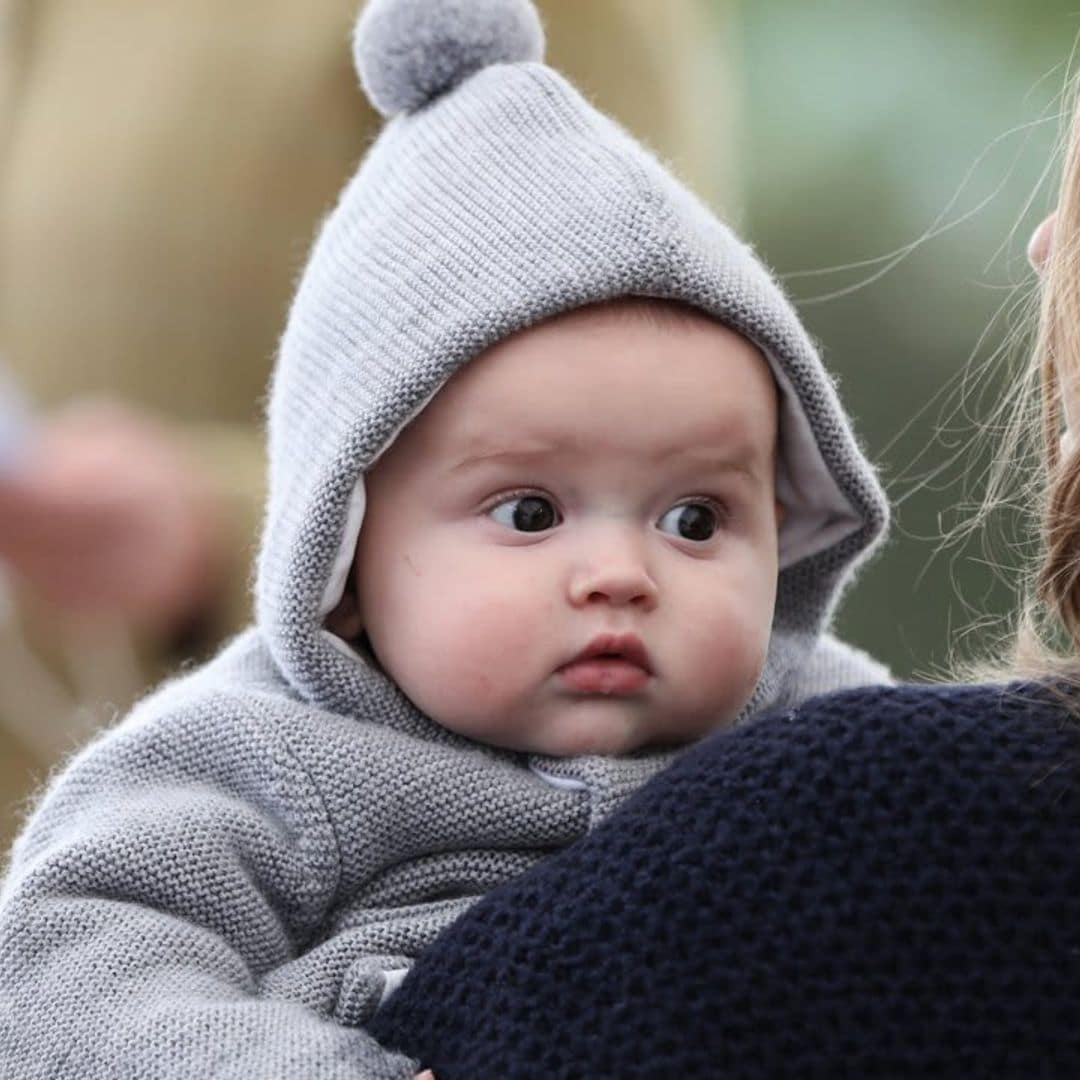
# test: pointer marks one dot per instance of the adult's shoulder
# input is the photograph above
(948, 727)
(918, 706)
(879, 882)
(878, 758)
(919, 701)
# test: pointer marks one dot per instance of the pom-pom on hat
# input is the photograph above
(496, 197)
(410, 51)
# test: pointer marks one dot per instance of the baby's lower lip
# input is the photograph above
(604, 675)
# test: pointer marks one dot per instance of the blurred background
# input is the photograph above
(894, 159)
(164, 168)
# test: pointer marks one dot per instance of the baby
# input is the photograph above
(548, 566)
(558, 485)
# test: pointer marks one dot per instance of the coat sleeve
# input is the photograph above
(168, 873)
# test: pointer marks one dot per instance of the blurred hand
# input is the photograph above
(108, 516)
(427, 1074)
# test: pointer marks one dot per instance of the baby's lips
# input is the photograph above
(609, 664)
(605, 675)
(625, 646)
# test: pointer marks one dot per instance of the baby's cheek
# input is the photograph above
(476, 650)
(728, 660)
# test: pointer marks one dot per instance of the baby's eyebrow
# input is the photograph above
(742, 458)
(494, 455)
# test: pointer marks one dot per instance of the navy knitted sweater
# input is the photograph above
(885, 882)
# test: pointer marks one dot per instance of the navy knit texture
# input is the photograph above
(885, 882)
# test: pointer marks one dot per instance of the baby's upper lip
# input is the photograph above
(627, 647)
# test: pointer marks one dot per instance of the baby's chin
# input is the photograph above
(594, 725)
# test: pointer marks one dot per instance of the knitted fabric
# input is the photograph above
(226, 883)
(884, 883)
(500, 200)
(216, 887)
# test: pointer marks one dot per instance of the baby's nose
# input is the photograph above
(619, 577)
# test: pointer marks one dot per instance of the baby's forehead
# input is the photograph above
(645, 379)
(613, 333)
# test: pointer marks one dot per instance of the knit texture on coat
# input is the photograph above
(216, 887)
(885, 883)
(227, 882)
(219, 885)
(493, 204)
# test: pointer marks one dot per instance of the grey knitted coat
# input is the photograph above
(218, 886)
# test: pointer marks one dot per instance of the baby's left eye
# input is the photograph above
(526, 513)
(696, 521)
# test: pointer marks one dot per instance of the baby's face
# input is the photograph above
(573, 549)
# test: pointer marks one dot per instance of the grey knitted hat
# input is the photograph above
(496, 197)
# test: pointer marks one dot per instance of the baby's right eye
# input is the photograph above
(526, 513)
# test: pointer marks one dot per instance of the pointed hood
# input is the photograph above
(494, 198)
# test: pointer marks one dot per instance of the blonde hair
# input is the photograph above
(1047, 639)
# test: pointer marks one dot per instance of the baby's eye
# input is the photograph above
(691, 520)
(526, 513)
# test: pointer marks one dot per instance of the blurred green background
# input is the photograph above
(873, 128)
